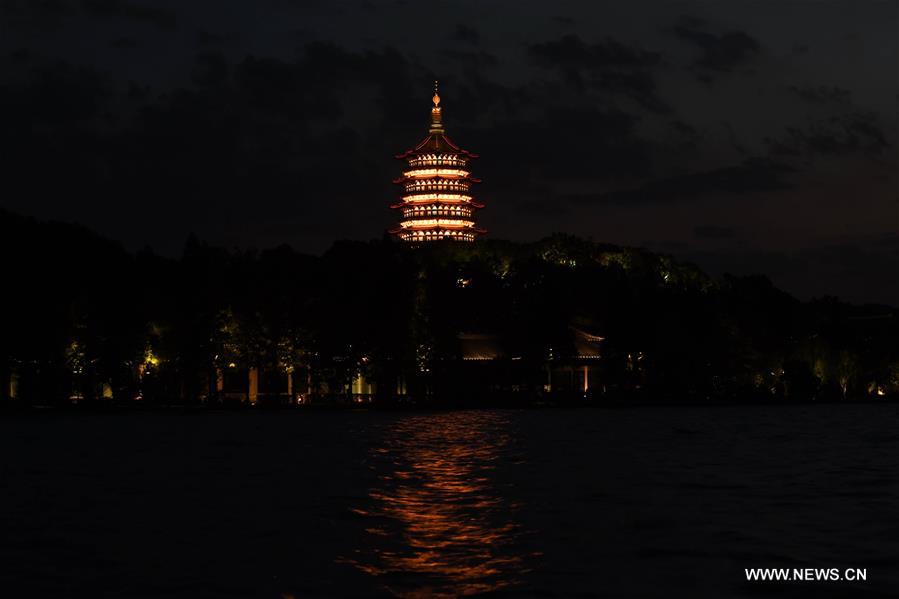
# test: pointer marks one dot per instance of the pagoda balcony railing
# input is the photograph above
(431, 161)
(455, 235)
(444, 196)
(436, 172)
(437, 187)
(448, 223)
(410, 213)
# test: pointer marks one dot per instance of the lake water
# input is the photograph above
(642, 502)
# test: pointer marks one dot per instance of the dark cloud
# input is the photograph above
(733, 139)
(124, 43)
(23, 8)
(682, 136)
(130, 10)
(273, 134)
(823, 94)
(478, 98)
(472, 60)
(209, 38)
(719, 52)
(466, 33)
(714, 232)
(608, 66)
(851, 133)
(637, 85)
(20, 55)
(561, 142)
(57, 93)
(572, 52)
(41, 13)
(27, 15)
(782, 147)
(753, 175)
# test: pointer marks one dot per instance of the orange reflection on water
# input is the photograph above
(437, 523)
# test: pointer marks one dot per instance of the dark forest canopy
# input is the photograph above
(84, 318)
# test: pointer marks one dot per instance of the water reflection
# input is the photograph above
(437, 522)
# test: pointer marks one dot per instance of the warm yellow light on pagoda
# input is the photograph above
(437, 161)
(437, 197)
(435, 222)
(437, 184)
(439, 172)
(436, 204)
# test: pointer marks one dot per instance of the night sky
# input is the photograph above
(746, 136)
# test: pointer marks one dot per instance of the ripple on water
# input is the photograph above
(437, 522)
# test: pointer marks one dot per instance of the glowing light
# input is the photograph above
(436, 204)
(437, 160)
(436, 222)
(437, 197)
(437, 185)
(415, 211)
(150, 359)
(437, 235)
(435, 209)
(436, 172)
(410, 215)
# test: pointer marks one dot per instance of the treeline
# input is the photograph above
(84, 320)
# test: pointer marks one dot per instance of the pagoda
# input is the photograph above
(436, 203)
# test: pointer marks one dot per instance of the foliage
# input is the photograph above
(82, 314)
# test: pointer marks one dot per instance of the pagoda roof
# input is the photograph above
(436, 143)
(586, 345)
(466, 178)
(475, 230)
(475, 346)
(472, 203)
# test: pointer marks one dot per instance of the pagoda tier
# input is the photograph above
(436, 203)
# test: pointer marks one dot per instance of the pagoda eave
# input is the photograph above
(465, 178)
(414, 153)
(406, 204)
(441, 143)
(471, 205)
(469, 228)
(414, 200)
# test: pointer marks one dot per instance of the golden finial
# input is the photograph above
(436, 125)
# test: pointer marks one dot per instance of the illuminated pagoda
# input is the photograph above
(436, 202)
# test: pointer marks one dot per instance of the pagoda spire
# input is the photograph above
(436, 116)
